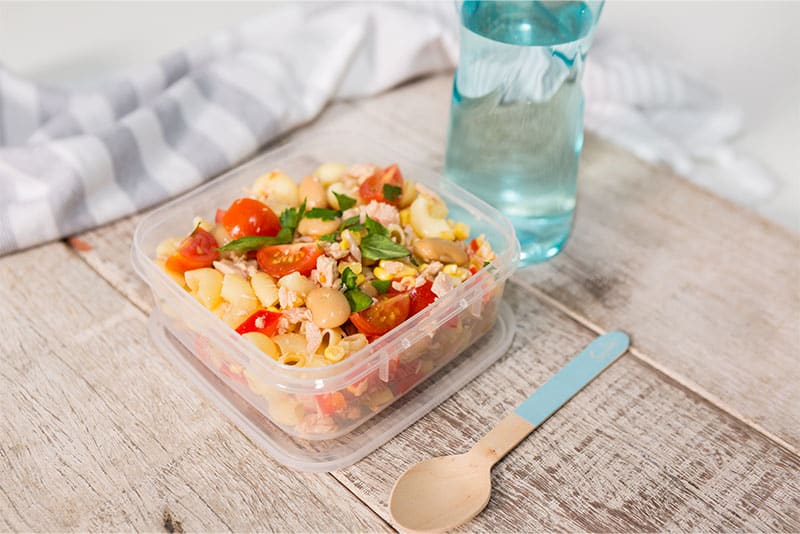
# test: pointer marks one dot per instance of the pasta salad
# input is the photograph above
(312, 272)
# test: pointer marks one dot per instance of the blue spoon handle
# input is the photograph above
(568, 381)
(546, 400)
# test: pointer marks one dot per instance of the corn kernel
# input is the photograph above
(360, 279)
(355, 266)
(334, 354)
(381, 274)
(405, 216)
(450, 268)
(344, 244)
(461, 231)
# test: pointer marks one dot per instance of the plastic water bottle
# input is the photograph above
(516, 121)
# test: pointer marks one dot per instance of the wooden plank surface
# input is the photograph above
(710, 290)
(98, 433)
(636, 451)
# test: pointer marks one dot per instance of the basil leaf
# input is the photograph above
(322, 213)
(391, 192)
(349, 278)
(382, 286)
(345, 202)
(329, 237)
(380, 247)
(350, 221)
(255, 242)
(374, 227)
(358, 300)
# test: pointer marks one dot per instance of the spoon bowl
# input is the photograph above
(441, 493)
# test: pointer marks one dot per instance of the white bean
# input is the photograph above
(329, 307)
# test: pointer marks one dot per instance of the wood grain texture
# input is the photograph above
(98, 433)
(710, 290)
(631, 452)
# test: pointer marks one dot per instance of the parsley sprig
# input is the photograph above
(391, 192)
(358, 300)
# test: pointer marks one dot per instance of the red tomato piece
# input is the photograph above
(421, 297)
(405, 378)
(372, 188)
(263, 321)
(331, 403)
(388, 312)
(195, 252)
(219, 215)
(248, 216)
(280, 260)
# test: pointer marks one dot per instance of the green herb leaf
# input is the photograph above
(380, 247)
(290, 217)
(350, 221)
(374, 227)
(349, 278)
(358, 300)
(391, 192)
(382, 286)
(255, 242)
(345, 202)
(322, 213)
(486, 263)
(329, 237)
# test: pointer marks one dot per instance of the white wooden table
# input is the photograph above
(697, 428)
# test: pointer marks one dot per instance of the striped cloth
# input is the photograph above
(70, 161)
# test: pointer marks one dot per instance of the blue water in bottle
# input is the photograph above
(516, 122)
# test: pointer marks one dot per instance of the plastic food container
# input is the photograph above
(398, 378)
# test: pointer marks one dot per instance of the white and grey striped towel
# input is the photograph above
(70, 161)
(73, 160)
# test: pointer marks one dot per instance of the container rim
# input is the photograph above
(390, 345)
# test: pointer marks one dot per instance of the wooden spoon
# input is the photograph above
(442, 493)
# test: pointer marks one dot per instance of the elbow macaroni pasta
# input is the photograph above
(273, 309)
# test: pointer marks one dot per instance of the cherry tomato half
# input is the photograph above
(280, 260)
(372, 188)
(421, 297)
(388, 312)
(195, 252)
(263, 321)
(248, 216)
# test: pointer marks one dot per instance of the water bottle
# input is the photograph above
(516, 119)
